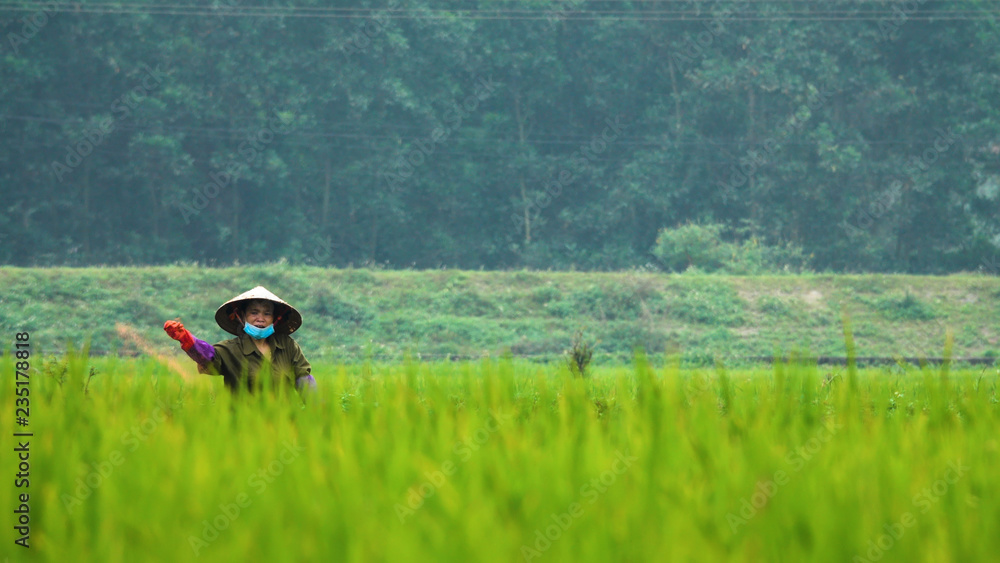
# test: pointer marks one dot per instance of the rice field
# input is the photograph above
(503, 460)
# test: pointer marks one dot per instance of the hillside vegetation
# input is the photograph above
(547, 134)
(350, 315)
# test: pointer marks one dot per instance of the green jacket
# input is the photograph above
(238, 360)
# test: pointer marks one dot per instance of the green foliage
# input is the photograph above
(906, 307)
(544, 295)
(623, 338)
(463, 302)
(581, 132)
(561, 309)
(720, 338)
(706, 301)
(702, 247)
(579, 355)
(135, 310)
(693, 245)
(324, 303)
(605, 303)
(350, 312)
(774, 306)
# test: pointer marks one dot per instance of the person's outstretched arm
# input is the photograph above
(198, 350)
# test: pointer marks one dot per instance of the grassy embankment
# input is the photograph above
(354, 314)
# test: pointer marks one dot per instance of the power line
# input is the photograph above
(77, 6)
(499, 13)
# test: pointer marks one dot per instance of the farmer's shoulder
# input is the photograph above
(285, 340)
(230, 345)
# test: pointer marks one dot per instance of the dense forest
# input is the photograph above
(534, 134)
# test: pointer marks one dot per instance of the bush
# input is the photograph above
(606, 303)
(579, 355)
(692, 245)
(707, 302)
(463, 303)
(625, 337)
(323, 303)
(702, 246)
(543, 295)
(905, 308)
(774, 307)
(560, 309)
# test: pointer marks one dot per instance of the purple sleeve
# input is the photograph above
(202, 352)
(305, 380)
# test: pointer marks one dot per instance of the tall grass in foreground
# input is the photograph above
(508, 461)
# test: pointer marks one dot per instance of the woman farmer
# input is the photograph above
(262, 323)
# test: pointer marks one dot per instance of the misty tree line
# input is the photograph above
(496, 135)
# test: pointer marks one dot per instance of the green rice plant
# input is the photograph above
(507, 460)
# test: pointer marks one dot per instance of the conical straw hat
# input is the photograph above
(286, 318)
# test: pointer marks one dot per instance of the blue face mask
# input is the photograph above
(258, 333)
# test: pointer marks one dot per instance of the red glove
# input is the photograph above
(177, 331)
